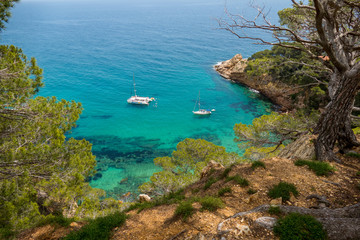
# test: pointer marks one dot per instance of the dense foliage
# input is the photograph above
(283, 190)
(306, 77)
(185, 165)
(41, 170)
(268, 134)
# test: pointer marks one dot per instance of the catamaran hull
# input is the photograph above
(202, 112)
(140, 100)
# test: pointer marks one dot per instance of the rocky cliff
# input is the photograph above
(277, 92)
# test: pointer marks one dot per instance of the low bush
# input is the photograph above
(257, 164)
(184, 210)
(320, 168)
(283, 189)
(239, 180)
(211, 203)
(99, 228)
(299, 227)
(223, 191)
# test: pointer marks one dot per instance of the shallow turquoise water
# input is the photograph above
(90, 53)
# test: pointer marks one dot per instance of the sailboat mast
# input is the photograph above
(199, 100)
(134, 85)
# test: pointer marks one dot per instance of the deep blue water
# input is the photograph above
(90, 51)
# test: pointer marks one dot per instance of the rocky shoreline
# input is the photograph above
(278, 93)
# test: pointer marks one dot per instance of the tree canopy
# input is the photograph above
(185, 165)
(42, 171)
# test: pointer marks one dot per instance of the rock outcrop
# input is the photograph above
(277, 92)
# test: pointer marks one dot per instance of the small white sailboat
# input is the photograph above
(201, 111)
(139, 100)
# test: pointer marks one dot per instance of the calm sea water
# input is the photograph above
(90, 51)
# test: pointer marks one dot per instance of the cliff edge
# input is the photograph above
(279, 93)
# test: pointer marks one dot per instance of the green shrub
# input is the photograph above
(320, 168)
(358, 173)
(223, 191)
(257, 164)
(358, 186)
(299, 227)
(283, 189)
(275, 210)
(210, 182)
(251, 191)
(184, 210)
(225, 173)
(99, 228)
(57, 220)
(239, 180)
(211, 203)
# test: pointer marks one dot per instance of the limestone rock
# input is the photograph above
(234, 69)
(242, 230)
(211, 165)
(266, 222)
(144, 198)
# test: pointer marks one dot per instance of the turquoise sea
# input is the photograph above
(90, 51)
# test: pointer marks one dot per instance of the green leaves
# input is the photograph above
(5, 6)
(268, 134)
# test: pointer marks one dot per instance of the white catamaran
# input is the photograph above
(201, 111)
(139, 100)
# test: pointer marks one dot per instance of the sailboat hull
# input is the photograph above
(202, 112)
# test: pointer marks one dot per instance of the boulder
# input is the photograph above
(266, 222)
(144, 198)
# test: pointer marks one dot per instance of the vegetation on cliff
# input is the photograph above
(326, 31)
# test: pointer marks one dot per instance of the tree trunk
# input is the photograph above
(335, 122)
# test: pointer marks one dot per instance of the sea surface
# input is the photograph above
(91, 50)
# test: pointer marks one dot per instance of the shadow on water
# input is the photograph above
(123, 164)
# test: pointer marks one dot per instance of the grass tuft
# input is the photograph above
(239, 180)
(251, 191)
(225, 173)
(320, 168)
(257, 164)
(223, 191)
(283, 189)
(210, 182)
